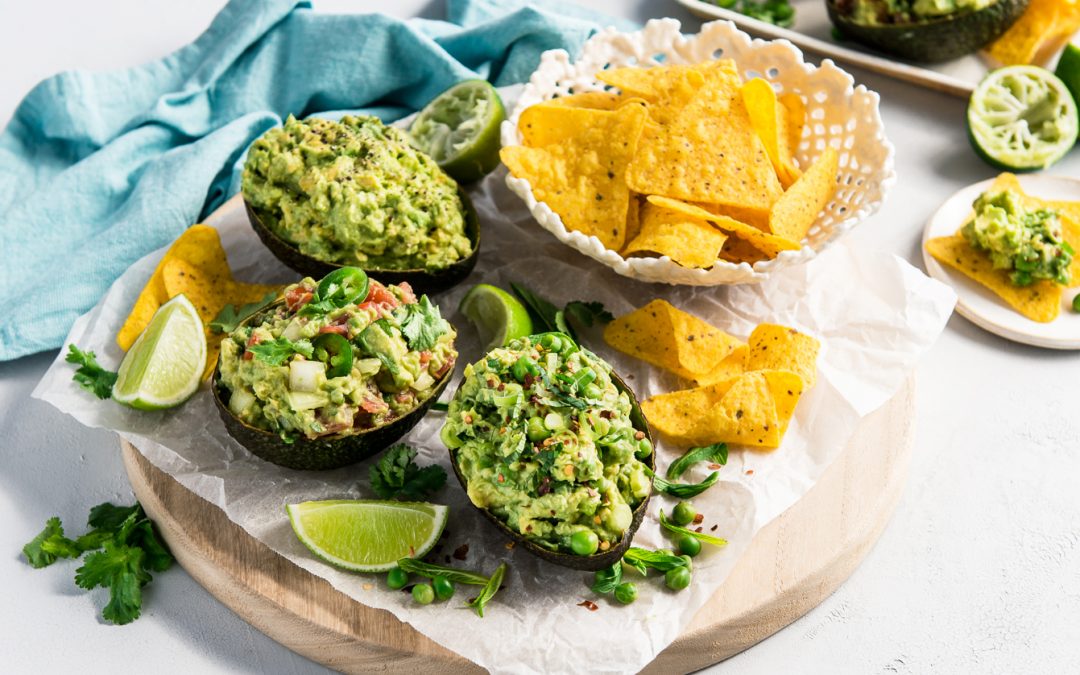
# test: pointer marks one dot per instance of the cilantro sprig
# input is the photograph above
(397, 476)
(125, 550)
(90, 375)
(275, 352)
(549, 318)
(421, 324)
(232, 316)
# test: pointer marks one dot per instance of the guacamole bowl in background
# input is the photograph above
(932, 35)
(321, 411)
(552, 456)
(322, 194)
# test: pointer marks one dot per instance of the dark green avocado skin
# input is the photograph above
(320, 454)
(596, 561)
(422, 281)
(936, 40)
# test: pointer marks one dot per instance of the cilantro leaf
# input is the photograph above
(232, 316)
(277, 351)
(607, 579)
(110, 517)
(683, 490)
(397, 476)
(588, 314)
(714, 454)
(700, 536)
(421, 324)
(549, 318)
(119, 568)
(50, 544)
(543, 313)
(91, 376)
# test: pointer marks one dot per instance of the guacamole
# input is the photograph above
(544, 440)
(336, 357)
(355, 192)
(886, 12)
(1026, 241)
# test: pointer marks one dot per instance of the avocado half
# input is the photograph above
(423, 281)
(596, 561)
(933, 40)
(326, 452)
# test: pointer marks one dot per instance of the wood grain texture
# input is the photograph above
(793, 564)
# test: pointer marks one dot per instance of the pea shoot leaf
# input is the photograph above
(431, 570)
(231, 316)
(277, 351)
(683, 490)
(543, 313)
(397, 476)
(642, 559)
(547, 317)
(488, 591)
(588, 313)
(607, 579)
(700, 536)
(90, 375)
(421, 324)
(714, 454)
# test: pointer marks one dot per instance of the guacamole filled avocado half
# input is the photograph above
(355, 192)
(928, 31)
(334, 372)
(1027, 242)
(550, 444)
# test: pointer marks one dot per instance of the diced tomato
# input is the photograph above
(335, 328)
(298, 297)
(252, 341)
(407, 295)
(425, 358)
(404, 397)
(445, 369)
(378, 295)
(373, 405)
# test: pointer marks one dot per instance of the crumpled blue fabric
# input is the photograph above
(98, 169)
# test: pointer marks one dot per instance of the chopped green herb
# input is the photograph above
(439, 406)
(277, 351)
(588, 313)
(396, 476)
(421, 324)
(90, 375)
(232, 316)
(683, 490)
(777, 12)
(714, 454)
(549, 318)
(430, 570)
(643, 559)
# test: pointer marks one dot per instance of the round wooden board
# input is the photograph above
(793, 564)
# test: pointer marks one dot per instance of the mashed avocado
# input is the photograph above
(1028, 242)
(355, 192)
(544, 440)
(886, 12)
(315, 366)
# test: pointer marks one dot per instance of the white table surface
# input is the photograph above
(979, 570)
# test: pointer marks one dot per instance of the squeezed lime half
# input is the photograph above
(498, 316)
(367, 535)
(459, 129)
(164, 366)
(1022, 118)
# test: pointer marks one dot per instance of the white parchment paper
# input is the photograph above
(874, 314)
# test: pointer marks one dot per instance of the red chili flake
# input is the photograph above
(461, 552)
(510, 545)
(713, 528)
(715, 467)
(589, 605)
(749, 472)
(698, 518)
(501, 478)
(638, 435)
(698, 529)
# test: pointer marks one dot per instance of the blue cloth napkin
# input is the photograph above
(98, 169)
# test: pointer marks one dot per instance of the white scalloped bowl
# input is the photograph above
(838, 114)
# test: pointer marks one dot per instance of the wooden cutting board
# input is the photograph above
(793, 564)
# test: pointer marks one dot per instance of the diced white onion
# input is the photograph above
(293, 330)
(241, 400)
(301, 400)
(306, 376)
(423, 382)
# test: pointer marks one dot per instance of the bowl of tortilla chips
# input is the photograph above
(701, 160)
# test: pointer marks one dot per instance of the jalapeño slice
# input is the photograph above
(344, 286)
(336, 352)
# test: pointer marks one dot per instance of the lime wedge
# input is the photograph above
(1068, 69)
(498, 316)
(1022, 118)
(459, 129)
(365, 535)
(164, 366)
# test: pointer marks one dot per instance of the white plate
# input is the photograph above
(976, 303)
(812, 31)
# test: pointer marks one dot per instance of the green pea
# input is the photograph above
(397, 578)
(517, 369)
(535, 430)
(644, 449)
(591, 391)
(684, 513)
(444, 588)
(551, 342)
(626, 592)
(584, 542)
(689, 562)
(1076, 303)
(676, 579)
(688, 545)
(423, 594)
(554, 421)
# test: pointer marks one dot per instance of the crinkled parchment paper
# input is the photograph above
(874, 314)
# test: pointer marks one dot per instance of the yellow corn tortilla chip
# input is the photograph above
(690, 242)
(657, 83)
(796, 210)
(199, 243)
(773, 347)
(759, 218)
(1041, 301)
(733, 365)
(794, 119)
(633, 217)
(738, 250)
(669, 338)
(1043, 29)
(582, 178)
(768, 244)
(678, 414)
(598, 100)
(765, 117)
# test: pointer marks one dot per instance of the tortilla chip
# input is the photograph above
(795, 211)
(582, 178)
(704, 149)
(1041, 301)
(794, 120)
(738, 250)
(765, 117)
(1042, 30)
(679, 414)
(657, 83)
(633, 216)
(767, 243)
(759, 218)
(773, 347)
(732, 366)
(690, 242)
(597, 100)
(667, 337)
(786, 389)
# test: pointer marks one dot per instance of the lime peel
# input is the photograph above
(459, 129)
(498, 316)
